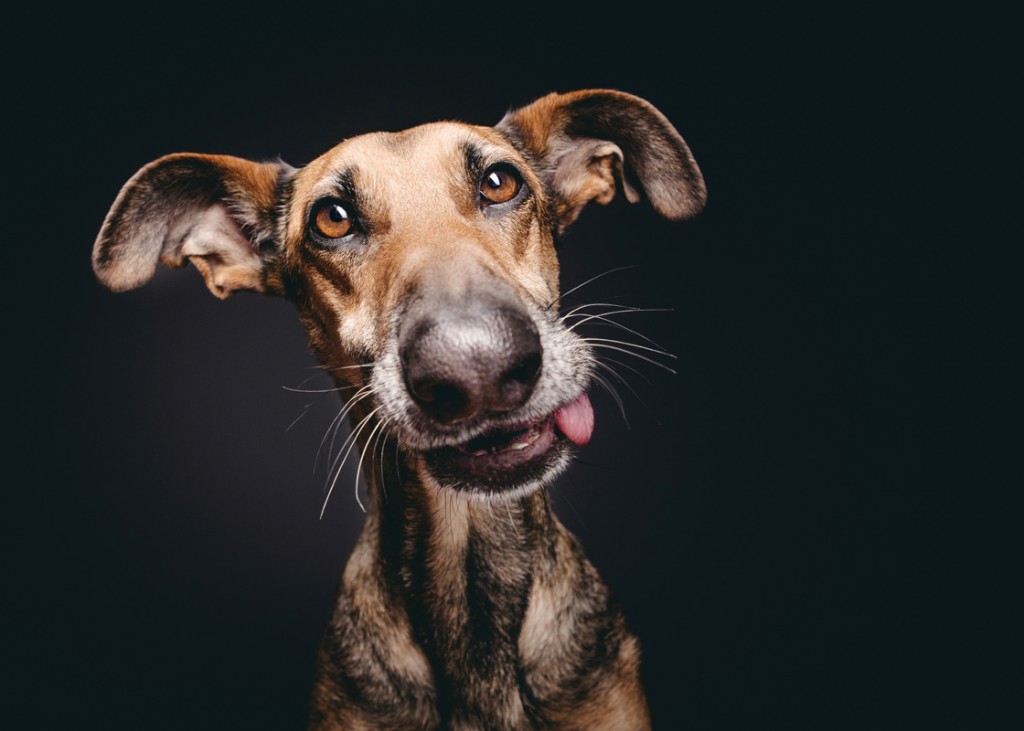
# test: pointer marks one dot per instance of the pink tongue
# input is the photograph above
(576, 420)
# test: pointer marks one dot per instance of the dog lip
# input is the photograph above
(504, 455)
(497, 459)
(515, 438)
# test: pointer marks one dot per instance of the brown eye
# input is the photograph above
(333, 221)
(499, 185)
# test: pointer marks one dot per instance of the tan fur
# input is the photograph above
(435, 229)
(406, 658)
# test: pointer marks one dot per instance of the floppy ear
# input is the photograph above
(588, 142)
(217, 211)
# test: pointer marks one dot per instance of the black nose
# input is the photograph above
(461, 363)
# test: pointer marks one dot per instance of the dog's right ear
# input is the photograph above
(217, 211)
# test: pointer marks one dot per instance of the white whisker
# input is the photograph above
(635, 355)
(349, 367)
(383, 441)
(613, 323)
(603, 382)
(616, 306)
(304, 381)
(351, 441)
(508, 509)
(336, 422)
(608, 359)
(317, 390)
(305, 411)
(584, 284)
(632, 345)
(627, 384)
(398, 465)
(588, 305)
(618, 376)
(362, 456)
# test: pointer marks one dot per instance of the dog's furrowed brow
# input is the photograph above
(482, 154)
(340, 183)
(475, 162)
(345, 185)
(348, 185)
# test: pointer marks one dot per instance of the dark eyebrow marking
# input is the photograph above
(371, 218)
(344, 190)
(474, 161)
(345, 185)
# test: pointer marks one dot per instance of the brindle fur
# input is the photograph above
(462, 606)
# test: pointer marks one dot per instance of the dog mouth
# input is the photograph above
(516, 456)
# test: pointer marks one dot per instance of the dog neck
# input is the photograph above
(484, 610)
(467, 570)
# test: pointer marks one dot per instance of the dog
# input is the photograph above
(422, 264)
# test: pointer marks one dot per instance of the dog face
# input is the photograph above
(443, 279)
(423, 266)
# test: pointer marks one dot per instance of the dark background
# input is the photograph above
(802, 525)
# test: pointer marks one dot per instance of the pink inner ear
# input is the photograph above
(222, 253)
(213, 231)
(586, 170)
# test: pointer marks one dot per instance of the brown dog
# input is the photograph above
(423, 267)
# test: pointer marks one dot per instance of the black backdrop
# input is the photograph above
(796, 523)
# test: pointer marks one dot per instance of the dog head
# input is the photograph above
(423, 267)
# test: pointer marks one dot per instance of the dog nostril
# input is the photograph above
(446, 402)
(526, 371)
(516, 384)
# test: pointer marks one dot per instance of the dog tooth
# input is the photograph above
(519, 445)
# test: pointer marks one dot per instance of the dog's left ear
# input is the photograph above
(586, 142)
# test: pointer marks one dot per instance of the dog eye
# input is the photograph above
(500, 185)
(332, 220)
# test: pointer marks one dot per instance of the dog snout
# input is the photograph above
(465, 362)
